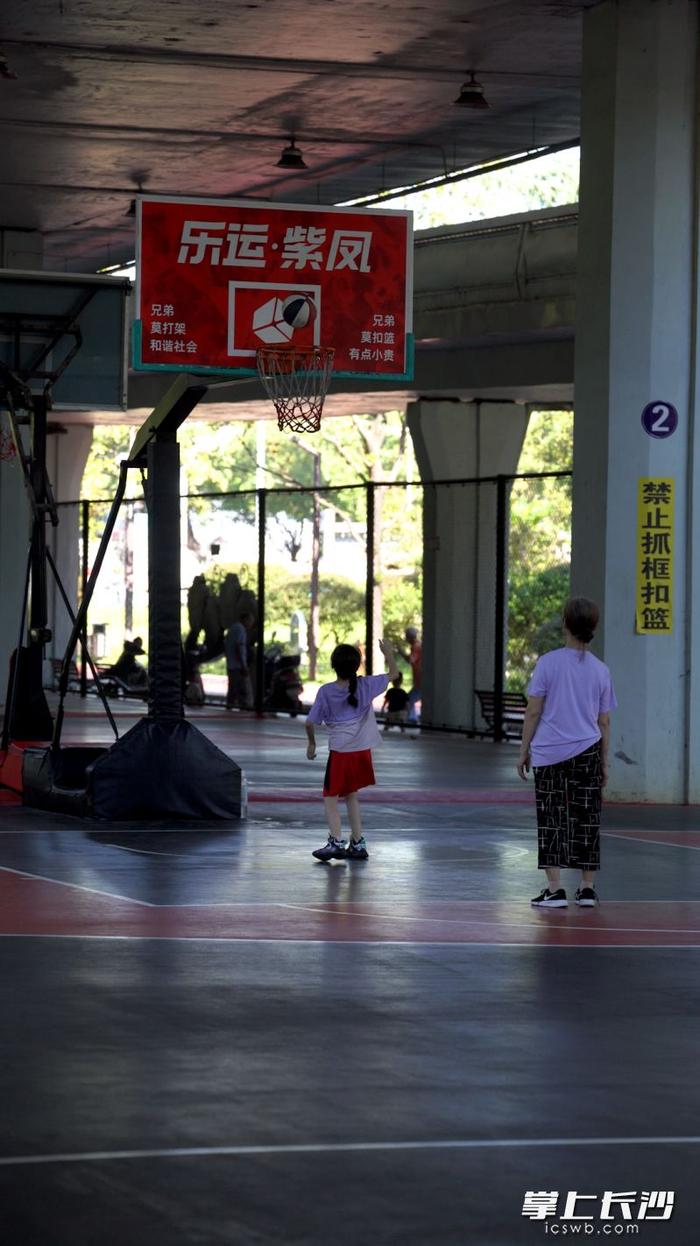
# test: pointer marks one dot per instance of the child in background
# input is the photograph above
(396, 703)
(345, 707)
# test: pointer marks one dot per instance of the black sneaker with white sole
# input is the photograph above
(586, 897)
(334, 849)
(550, 899)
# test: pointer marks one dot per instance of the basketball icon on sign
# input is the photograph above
(276, 320)
(659, 419)
(299, 310)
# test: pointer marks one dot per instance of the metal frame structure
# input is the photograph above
(502, 485)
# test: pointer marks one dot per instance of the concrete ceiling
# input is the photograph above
(101, 98)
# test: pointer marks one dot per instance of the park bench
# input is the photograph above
(514, 706)
(113, 687)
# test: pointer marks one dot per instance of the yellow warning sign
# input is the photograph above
(654, 613)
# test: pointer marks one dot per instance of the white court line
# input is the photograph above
(146, 852)
(642, 839)
(222, 904)
(316, 1148)
(378, 943)
(204, 904)
(478, 921)
(59, 882)
(98, 829)
(282, 904)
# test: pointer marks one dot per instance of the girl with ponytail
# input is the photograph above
(345, 708)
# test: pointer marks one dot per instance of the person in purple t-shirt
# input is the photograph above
(345, 707)
(566, 739)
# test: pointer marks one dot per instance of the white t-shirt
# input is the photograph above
(351, 728)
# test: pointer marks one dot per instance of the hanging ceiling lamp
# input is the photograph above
(291, 157)
(471, 94)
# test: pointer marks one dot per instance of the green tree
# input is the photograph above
(535, 599)
(539, 544)
(347, 451)
(110, 444)
(542, 183)
(227, 461)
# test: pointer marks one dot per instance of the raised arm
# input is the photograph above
(388, 652)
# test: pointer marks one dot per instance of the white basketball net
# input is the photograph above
(297, 383)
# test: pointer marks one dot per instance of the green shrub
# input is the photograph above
(534, 619)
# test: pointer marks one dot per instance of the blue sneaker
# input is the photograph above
(357, 850)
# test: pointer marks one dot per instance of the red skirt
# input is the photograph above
(347, 772)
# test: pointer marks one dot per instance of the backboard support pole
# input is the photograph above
(164, 767)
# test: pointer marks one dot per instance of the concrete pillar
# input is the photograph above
(66, 457)
(67, 454)
(637, 343)
(453, 441)
(14, 549)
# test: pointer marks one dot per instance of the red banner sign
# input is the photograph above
(217, 279)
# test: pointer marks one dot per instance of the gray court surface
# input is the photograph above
(210, 1038)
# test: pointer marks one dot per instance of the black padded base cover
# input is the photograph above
(57, 779)
(165, 770)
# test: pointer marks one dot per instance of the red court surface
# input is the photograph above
(40, 906)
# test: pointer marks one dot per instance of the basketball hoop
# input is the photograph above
(296, 380)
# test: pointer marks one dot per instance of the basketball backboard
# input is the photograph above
(91, 346)
(213, 277)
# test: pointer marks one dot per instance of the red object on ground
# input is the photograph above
(11, 764)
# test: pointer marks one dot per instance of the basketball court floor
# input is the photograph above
(209, 1038)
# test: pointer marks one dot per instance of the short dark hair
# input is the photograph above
(581, 618)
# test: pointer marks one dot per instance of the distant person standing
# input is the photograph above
(239, 694)
(414, 657)
(566, 739)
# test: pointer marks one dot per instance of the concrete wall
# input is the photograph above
(637, 343)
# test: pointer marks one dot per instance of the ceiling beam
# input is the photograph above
(285, 65)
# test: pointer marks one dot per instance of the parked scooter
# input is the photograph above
(283, 686)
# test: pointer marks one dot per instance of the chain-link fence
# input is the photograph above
(479, 568)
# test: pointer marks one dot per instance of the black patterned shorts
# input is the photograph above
(569, 798)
